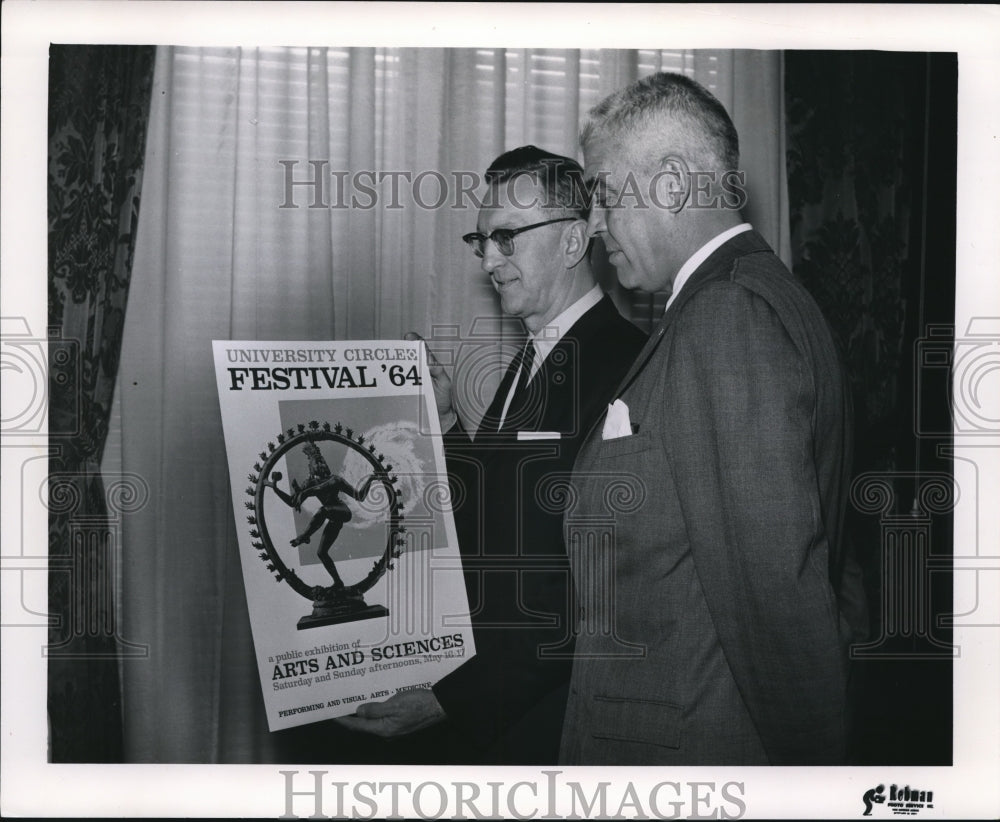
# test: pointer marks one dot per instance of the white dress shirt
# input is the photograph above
(545, 339)
(701, 255)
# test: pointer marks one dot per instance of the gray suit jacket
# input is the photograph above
(705, 548)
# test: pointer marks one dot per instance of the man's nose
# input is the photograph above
(595, 222)
(492, 258)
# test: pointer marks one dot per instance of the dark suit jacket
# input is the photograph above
(508, 700)
(710, 629)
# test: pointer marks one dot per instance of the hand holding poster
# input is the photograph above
(341, 498)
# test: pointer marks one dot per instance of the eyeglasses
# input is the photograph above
(503, 238)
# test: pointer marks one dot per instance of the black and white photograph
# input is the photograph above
(691, 319)
(340, 494)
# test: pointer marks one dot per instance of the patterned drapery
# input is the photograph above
(871, 177)
(98, 112)
(854, 152)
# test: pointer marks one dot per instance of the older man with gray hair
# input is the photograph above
(713, 625)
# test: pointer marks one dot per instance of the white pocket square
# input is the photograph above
(616, 422)
(529, 436)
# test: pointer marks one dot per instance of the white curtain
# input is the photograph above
(218, 257)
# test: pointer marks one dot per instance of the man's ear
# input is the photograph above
(576, 242)
(672, 183)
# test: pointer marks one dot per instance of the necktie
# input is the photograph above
(490, 422)
(527, 355)
(524, 360)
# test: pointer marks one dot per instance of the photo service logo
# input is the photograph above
(905, 801)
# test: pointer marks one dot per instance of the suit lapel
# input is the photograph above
(565, 353)
(556, 379)
(718, 264)
(488, 424)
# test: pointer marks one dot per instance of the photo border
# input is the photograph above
(33, 787)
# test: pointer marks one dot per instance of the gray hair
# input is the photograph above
(670, 113)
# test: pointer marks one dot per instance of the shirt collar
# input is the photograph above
(545, 339)
(701, 255)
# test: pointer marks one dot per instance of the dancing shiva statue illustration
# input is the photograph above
(327, 488)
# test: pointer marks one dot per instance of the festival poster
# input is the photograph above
(341, 502)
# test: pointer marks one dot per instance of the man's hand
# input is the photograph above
(404, 713)
(442, 385)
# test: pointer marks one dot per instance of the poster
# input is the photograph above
(340, 495)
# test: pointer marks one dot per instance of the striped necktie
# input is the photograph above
(524, 361)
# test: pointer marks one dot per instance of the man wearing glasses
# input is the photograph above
(505, 705)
